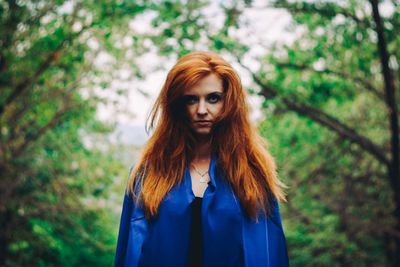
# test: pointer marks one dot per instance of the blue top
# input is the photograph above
(230, 238)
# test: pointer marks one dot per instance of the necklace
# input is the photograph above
(202, 179)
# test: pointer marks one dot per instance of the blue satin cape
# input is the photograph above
(230, 239)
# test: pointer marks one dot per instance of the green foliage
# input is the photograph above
(177, 26)
(326, 223)
(55, 179)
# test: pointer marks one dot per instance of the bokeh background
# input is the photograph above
(78, 77)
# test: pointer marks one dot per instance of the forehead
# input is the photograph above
(208, 84)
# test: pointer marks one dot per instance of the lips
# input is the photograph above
(203, 123)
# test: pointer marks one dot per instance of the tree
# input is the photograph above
(52, 179)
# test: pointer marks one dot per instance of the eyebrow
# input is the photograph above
(216, 92)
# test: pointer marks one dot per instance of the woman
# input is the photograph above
(205, 191)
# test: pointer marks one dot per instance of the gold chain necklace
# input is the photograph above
(202, 179)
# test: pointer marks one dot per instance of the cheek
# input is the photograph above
(190, 111)
(217, 109)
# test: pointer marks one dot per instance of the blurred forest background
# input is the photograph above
(330, 101)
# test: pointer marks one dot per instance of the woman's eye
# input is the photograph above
(190, 100)
(214, 98)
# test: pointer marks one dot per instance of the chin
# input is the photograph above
(203, 132)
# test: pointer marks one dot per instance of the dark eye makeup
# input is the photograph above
(211, 98)
(189, 99)
(214, 97)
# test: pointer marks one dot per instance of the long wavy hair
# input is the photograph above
(242, 154)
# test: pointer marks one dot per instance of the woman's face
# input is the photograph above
(204, 103)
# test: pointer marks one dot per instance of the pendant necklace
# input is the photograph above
(202, 179)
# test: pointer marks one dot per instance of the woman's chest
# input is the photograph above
(221, 221)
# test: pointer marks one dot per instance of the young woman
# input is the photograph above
(205, 191)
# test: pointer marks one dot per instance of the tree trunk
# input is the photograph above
(390, 100)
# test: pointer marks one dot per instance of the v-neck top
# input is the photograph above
(196, 239)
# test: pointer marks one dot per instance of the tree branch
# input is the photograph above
(50, 59)
(51, 94)
(358, 80)
(39, 132)
(390, 103)
(23, 85)
(322, 118)
(394, 166)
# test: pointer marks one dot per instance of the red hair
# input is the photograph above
(241, 152)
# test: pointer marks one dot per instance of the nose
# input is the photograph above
(202, 108)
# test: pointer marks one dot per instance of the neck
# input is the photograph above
(202, 149)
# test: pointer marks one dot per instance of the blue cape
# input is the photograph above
(230, 238)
